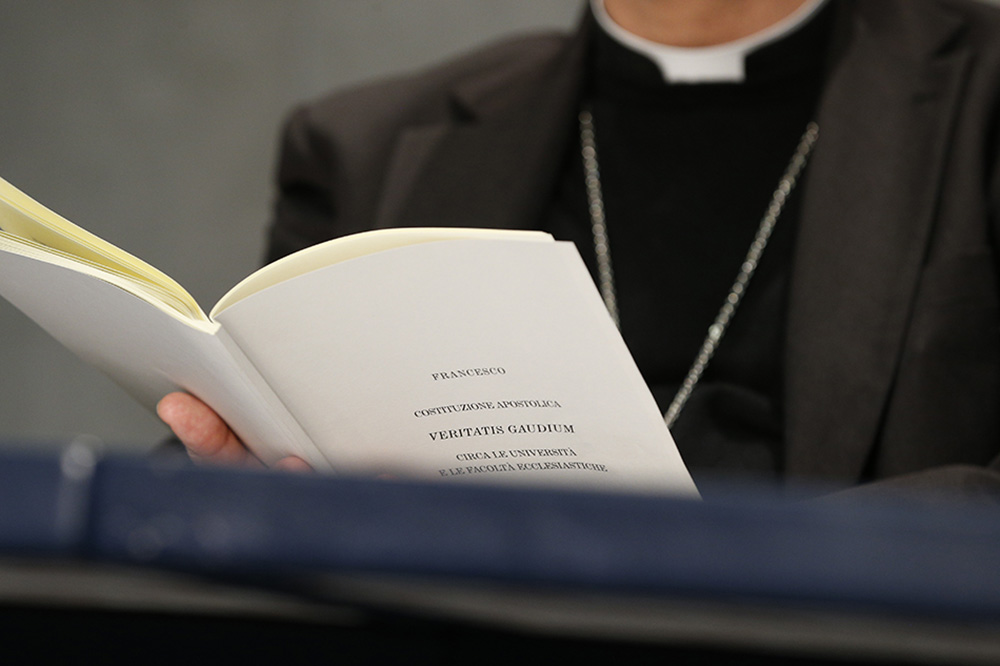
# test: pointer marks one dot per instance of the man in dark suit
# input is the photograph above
(867, 346)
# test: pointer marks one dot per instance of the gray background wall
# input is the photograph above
(154, 125)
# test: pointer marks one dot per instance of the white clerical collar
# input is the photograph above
(722, 63)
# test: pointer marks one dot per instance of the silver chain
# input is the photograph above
(602, 249)
(595, 204)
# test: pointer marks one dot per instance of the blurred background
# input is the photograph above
(155, 125)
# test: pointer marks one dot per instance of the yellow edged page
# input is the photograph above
(47, 236)
(358, 245)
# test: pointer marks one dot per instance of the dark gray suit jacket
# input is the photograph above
(893, 355)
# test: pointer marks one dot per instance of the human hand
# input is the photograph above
(208, 439)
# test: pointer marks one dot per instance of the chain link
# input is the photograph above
(718, 328)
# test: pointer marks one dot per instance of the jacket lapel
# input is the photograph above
(868, 208)
(482, 166)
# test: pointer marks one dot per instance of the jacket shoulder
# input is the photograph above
(979, 20)
(425, 96)
(336, 150)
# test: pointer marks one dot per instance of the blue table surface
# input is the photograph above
(939, 559)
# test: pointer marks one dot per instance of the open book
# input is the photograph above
(432, 353)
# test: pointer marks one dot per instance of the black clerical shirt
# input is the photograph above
(687, 172)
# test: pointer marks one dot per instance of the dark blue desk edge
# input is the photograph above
(899, 558)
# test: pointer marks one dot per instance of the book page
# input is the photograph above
(358, 245)
(149, 351)
(31, 229)
(461, 360)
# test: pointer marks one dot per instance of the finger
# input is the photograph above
(293, 464)
(204, 434)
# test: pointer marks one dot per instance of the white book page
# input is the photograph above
(461, 360)
(359, 245)
(150, 352)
